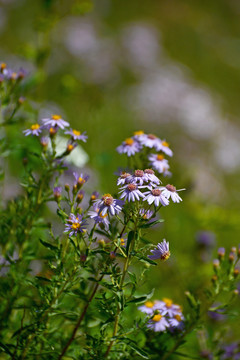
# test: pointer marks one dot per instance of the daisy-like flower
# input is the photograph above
(139, 135)
(35, 129)
(94, 195)
(147, 308)
(146, 215)
(156, 196)
(122, 180)
(150, 140)
(129, 147)
(164, 147)
(99, 218)
(80, 179)
(55, 121)
(169, 191)
(77, 135)
(108, 204)
(139, 177)
(161, 252)
(158, 323)
(154, 180)
(131, 192)
(176, 322)
(75, 225)
(168, 308)
(158, 162)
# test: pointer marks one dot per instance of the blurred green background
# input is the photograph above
(167, 67)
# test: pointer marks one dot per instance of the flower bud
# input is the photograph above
(112, 255)
(216, 263)
(214, 278)
(21, 100)
(83, 258)
(101, 243)
(221, 253)
(67, 187)
(52, 131)
(236, 272)
(234, 250)
(231, 257)
(57, 193)
(235, 291)
(80, 196)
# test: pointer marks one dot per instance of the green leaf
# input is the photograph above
(137, 349)
(146, 259)
(148, 225)
(48, 245)
(129, 240)
(138, 299)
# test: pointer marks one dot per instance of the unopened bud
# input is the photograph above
(231, 257)
(236, 291)
(216, 263)
(234, 249)
(67, 187)
(112, 255)
(214, 278)
(75, 188)
(236, 272)
(80, 197)
(21, 100)
(83, 257)
(70, 147)
(52, 131)
(221, 253)
(101, 243)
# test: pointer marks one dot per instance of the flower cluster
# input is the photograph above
(50, 126)
(164, 315)
(150, 142)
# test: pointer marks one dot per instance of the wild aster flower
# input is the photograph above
(147, 308)
(168, 308)
(156, 196)
(158, 323)
(122, 180)
(161, 252)
(80, 179)
(108, 204)
(176, 322)
(44, 141)
(35, 129)
(152, 177)
(77, 135)
(129, 147)
(146, 215)
(164, 147)
(99, 218)
(158, 162)
(169, 191)
(75, 224)
(130, 192)
(139, 177)
(55, 121)
(150, 140)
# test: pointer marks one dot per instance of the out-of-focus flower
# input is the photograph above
(164, 147)
(176, 322)
(75, 224)
(205, 239)
(158, 323)
(77, 135)
(156, 196)
(44, 141)
(94, 195)
(55, 121)
(35, 129)
(131, 192)
(147, 308)
(169, 191)
(161, 252)
(108, 204)
(159, 163)
(150, 140)
(221, 252)
(168, 308)
(129, 147)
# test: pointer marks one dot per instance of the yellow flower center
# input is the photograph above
(122, 241)
(69, 147)
(75, 226)
(81, 180)
(93, 197)
(129, 141)
(178, 317)
(165, 143)
(140, 132)
(56, 117)
(157, 318)
(160, 157)
(3, 66)
(76, 132)
(149, 304)
(103, 216)
(168, 302)
(35, 126)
